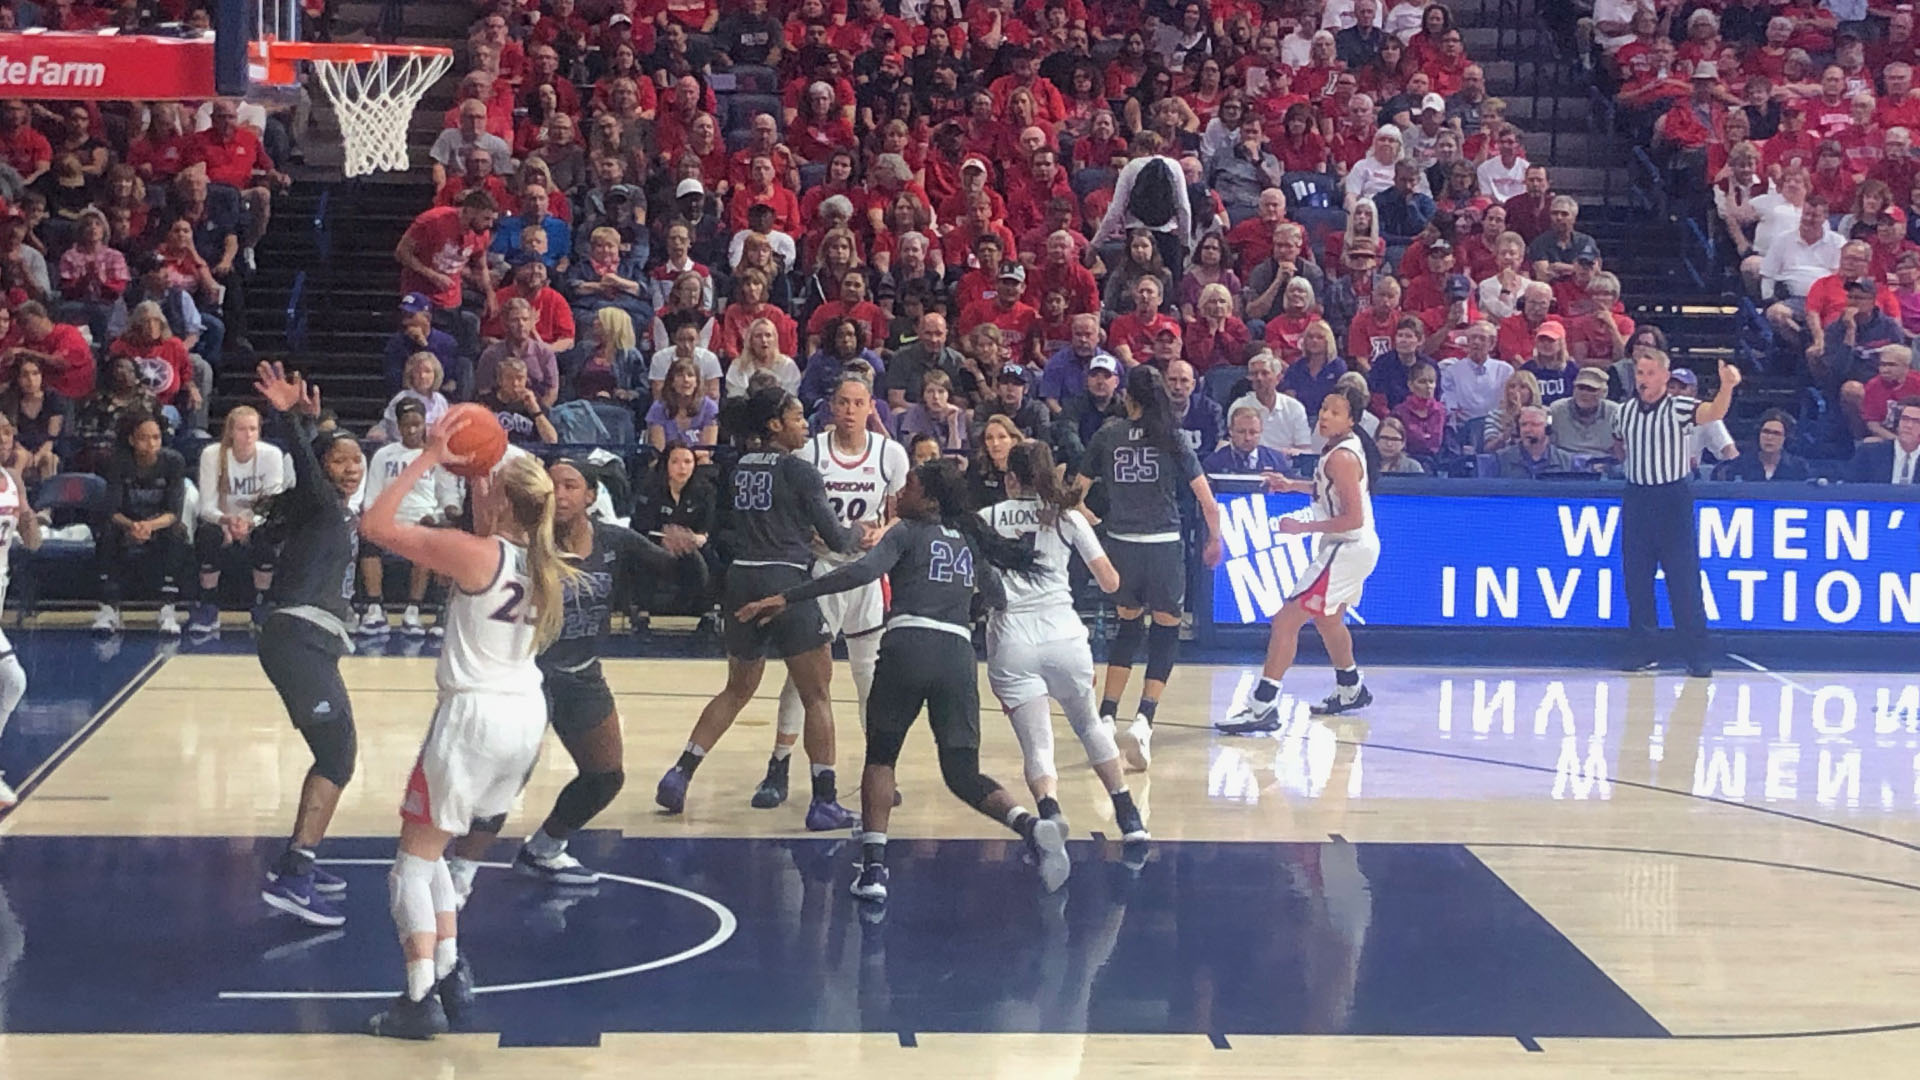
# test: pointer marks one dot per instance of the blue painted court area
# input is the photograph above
(146, 935)
(71, 677)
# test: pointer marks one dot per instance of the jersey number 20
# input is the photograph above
(1135, 465)
(945, 564)
(850, 511)
(752, 490)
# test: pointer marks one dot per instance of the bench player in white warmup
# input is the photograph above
(506, 605)
(1342, 513)
(15, 516)
(863, 472)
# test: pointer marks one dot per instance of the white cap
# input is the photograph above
(1434, 102)
(689, 186)
(1706, 69)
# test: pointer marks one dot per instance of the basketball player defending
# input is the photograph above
(506, 605)
(1342, 513)
(863, 473)
(15, 516)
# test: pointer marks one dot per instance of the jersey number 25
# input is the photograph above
(1135, 465)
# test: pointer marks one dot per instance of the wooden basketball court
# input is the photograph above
(1654, 876)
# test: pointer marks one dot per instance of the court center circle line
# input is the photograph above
(729, 924)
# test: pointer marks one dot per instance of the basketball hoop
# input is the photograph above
(373, 90)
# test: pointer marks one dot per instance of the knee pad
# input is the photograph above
(445, 896)
(1163, 647)
(1126, 643)
(489, 825)
(334, 747)
(960, 768)
(791, 715)
(410, 893)
(1096, 735)
(883, 747)
(586, 795)
(13, 686)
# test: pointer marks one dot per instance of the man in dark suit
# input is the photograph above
(1895, 462)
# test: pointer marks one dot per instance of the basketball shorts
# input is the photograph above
(1152, 575)
(302, 660)
(1019, 670)
(1336, 576)
(577, 701)
(854, 612)
(919, 667)
(476, 758)
(799, 629)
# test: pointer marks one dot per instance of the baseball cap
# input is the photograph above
(1104, 363)
(1706, 69)
(1860, 287)
(1013, 271)
(974, 162)
(1897, 214)
(1551, 329)
(1439, 247)
(689, 186)
(408, 405)
(414, 303)
(1588, 257)
(1593, 377)
(1434, 103)
(1685, 377)
(1458, 287)
(1168, 329)
(1013, 373)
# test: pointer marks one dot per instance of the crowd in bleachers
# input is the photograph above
(127, 233)
(1787, 131)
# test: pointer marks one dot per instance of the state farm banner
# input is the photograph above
(96, 66)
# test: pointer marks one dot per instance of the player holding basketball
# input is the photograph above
(939, 556)
(16, 516)
(508, 602)
(307, 630)
(1144, 462)
(1342, 513)
(1037, 647)
(779, 504)
(579, 703)
(862, 473)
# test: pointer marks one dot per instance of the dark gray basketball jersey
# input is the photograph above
(1143, 480)
(778, 504)
(934, 573)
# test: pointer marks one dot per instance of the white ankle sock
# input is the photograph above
(420, 979)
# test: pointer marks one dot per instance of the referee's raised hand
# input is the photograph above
(1730, 375)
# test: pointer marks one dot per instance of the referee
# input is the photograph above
(1656, 511)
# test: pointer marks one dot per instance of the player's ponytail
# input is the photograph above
(744, 420)
(1356, 400)
(1031, 463)
(946, 487)
(529, 494)
(1147, 391)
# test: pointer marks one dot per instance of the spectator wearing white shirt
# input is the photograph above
(1776, 214)
(1795, 261)
(1283, 419)
(1503, 175)
(1373, 173)
(1470, 387)
(1403, 19)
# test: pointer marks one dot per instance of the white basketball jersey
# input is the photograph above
(9, 527)
(490, 633)
(1325, 499)
(858, 486)
(1040, 608)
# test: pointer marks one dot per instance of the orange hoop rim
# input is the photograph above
(279, 57)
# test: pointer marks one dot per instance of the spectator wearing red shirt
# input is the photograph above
(1015, 318)
(478, 175)
(852, 303)
(161, 361)
(976, 226)
(1047, 102)
(1252, 240)
(1831, 112)
(698, 16)
(1030, 190)
(64, 355)
(552, 316)
(1370, 332)
(1060, 269)
(545, 60)
(750, 303)
(1214, 337)
(440, 247)
(763, 140)
(1897, 167)
(1650, 90)
(1896, 381)
(159, 152)
(1900, 105)
(762, 188)
(1528, 213)
(820, 128)
(674, 123)
(839, 181)
(1130, 337)
(21, 146)
(232, 155)
(856, 35)
(1446, 69)
(1517, 331)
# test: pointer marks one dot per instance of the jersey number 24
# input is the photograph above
(944, 564)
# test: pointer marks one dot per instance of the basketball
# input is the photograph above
(483, 441)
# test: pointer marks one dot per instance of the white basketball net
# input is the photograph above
(374, 100)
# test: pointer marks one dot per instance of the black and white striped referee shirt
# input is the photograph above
(1655, 437)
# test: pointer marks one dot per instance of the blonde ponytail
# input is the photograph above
(529, 493)
(226, 451)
